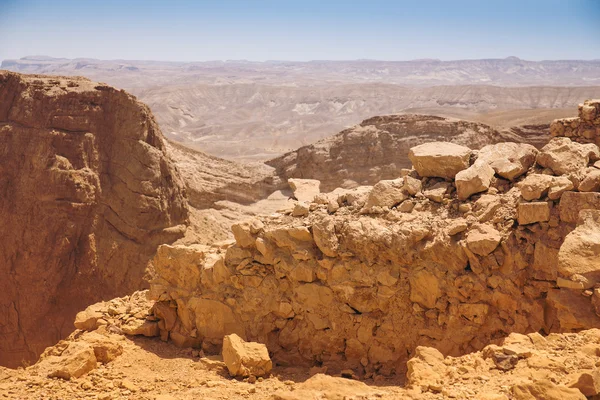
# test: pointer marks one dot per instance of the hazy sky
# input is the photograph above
(187, 30)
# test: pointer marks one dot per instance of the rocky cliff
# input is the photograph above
(87, 193)
(463, 249)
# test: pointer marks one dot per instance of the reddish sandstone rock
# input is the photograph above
(88, 193)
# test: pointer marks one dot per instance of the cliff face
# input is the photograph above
(86, 195)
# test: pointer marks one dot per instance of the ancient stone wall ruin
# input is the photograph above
(465, 248)
(585, 128)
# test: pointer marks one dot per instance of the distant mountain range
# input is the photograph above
(259, 110)
(511, 71)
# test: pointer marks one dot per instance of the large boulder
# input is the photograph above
(82, 216)
(76, 360)
(440, 159)
(245, 358)
(591, 181)
(305, 189)
(564, 156)
(387, 194)
(571, 203)
(475, 179)
(509, 160)
(580, 252)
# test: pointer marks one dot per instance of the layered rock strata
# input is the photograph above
(87, 193)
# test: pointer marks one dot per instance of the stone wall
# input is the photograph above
(585, 128)
(465, 248)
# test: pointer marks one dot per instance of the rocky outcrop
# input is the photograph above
(355, 287)
(87, 194)
(376, 149)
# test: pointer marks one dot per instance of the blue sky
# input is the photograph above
(186, 30)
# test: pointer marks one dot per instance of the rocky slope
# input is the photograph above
(376, 149)
(87, 194)
(114, 359)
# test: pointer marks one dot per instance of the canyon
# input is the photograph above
(254, 111)
(409, 256)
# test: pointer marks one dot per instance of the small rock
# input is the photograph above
(128, 385)
(436, 192)
(300, 209)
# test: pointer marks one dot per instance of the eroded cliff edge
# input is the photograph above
(87, 193)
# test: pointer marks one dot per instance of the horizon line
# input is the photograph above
(41, 57)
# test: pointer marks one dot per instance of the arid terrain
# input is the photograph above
(446, 246)
(257, 111)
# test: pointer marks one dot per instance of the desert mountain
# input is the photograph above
(510, 71)
(87, 193)
(256, 111)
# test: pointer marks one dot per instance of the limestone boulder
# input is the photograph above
(387, 194)
(475, 179)
(580, 251)
(426, 369)
(440, 159)
(559, 185)
(412, 185)
(571, 203)
(564, 156)
(87, 319)
(73, 362)
(141, 327)
(483, 239)
(325, 236)
(509, 160)
(106, 347)
(245, 358)
(437, 192)
(591, 181)
(529, 213)
(304, 189)
(534, 186)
